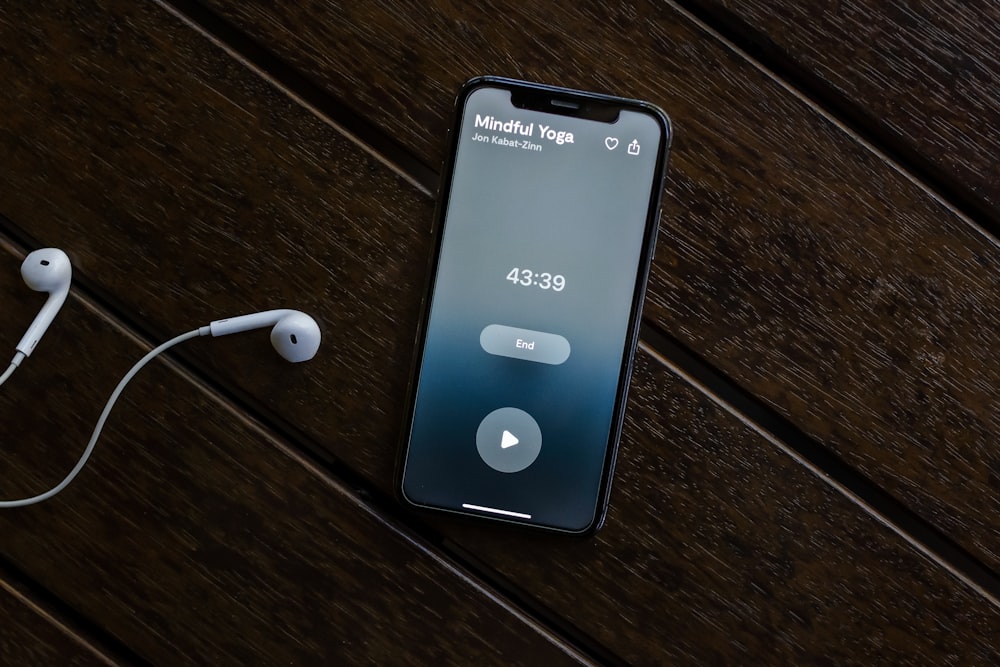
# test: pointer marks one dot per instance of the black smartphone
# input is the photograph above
(546, 221)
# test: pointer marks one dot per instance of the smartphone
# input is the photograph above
(546, 222)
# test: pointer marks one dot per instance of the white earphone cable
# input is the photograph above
(7, 373)
(100, 422)
(14, 363)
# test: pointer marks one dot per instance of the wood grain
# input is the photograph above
(31, 636)
(924, 76)
(194, 537)
(719, 549)
(199, 192)
(791, 258)
(188, 189)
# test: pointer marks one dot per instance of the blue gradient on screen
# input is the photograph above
(578, 210)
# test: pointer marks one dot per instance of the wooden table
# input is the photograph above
(810, 468)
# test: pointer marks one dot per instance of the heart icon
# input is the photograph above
(611, 143)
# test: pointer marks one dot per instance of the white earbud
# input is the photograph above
(46, 270)
(295, 335)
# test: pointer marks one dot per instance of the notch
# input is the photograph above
(578, 107)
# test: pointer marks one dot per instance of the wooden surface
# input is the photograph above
(31, 635)
(924, 77)
(239, 509)
(195, 537)
(806, 268)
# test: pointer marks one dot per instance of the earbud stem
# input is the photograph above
(232, 325)
(42, 321)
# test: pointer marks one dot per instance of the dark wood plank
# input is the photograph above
(792, 258)
(719, 549)
(924, 77)
(32, 636)
(200, 193)
(712, 530)
(193, 509)
(195, 537)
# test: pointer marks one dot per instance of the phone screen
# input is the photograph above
(547, 228)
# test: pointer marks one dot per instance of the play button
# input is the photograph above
(508, 440)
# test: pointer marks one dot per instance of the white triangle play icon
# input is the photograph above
(508, 439)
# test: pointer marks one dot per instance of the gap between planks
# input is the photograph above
(50, 609)
(361, 493)
(824, 101)
(823, 463)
